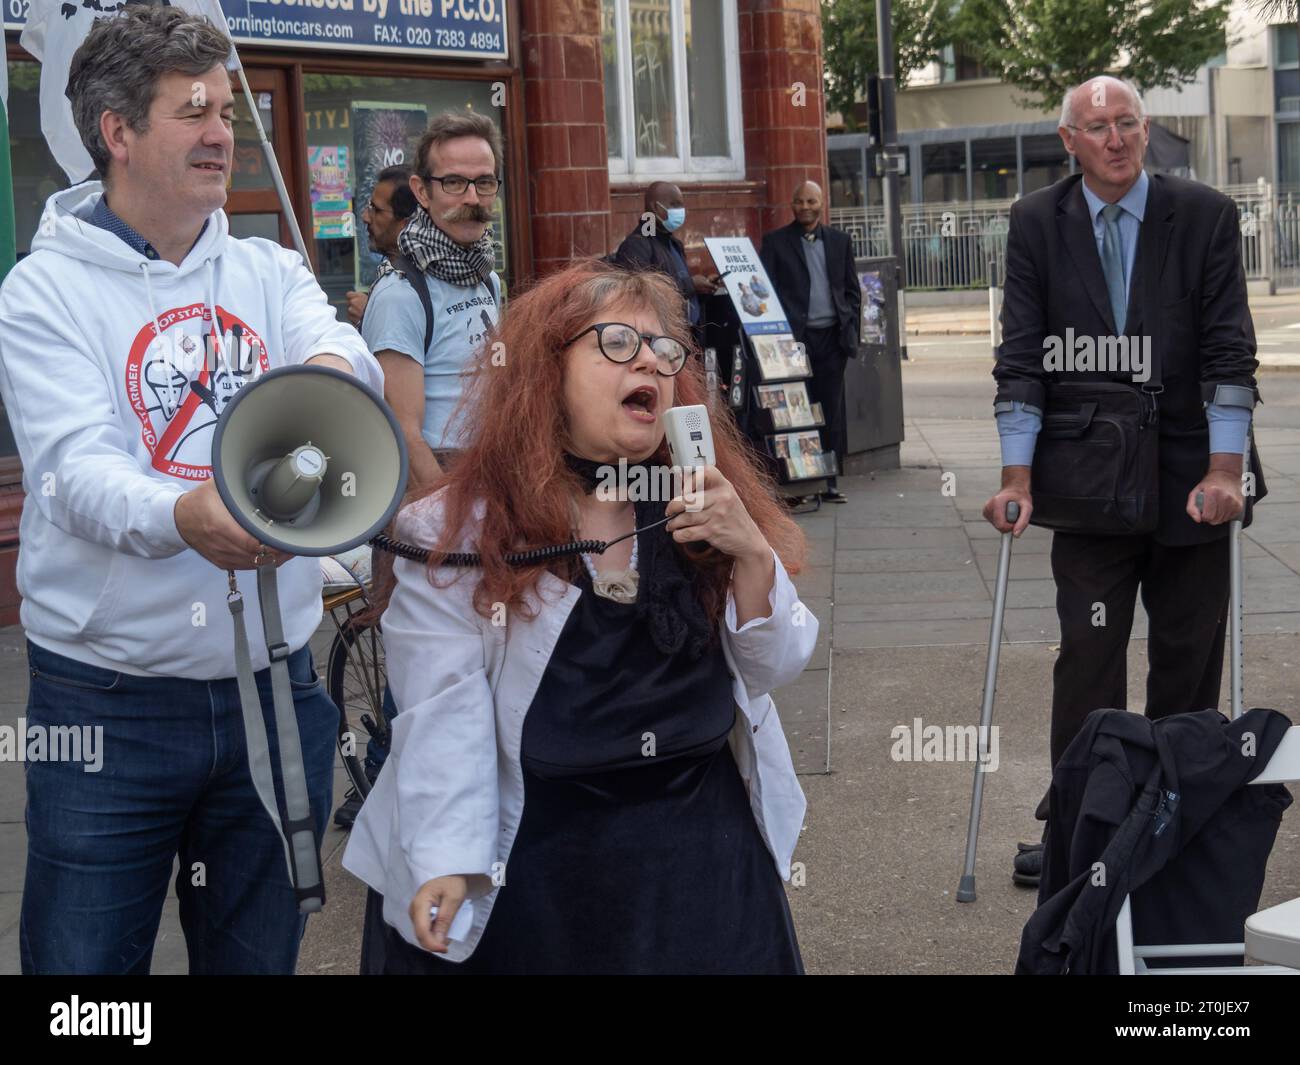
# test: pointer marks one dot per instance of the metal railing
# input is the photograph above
(956, 245)
(946, 245)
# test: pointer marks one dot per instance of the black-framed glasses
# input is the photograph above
(374, 208)
(1099, 131)
(455, 184)
(619, 342)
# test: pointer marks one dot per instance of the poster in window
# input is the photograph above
(384, 134)
(331, 192)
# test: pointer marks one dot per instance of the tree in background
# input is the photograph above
(921, 30)
(1045, 47)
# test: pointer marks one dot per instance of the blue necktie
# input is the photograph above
(1112, 265)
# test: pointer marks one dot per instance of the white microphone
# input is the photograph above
(690, 438)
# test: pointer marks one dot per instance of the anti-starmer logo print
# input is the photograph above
(177, 422)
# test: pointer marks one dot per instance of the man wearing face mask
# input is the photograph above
(652, 244)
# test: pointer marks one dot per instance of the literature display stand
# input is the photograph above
(784, 420)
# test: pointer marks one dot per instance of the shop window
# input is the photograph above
(357, 126)
(249, 169)
(672, 87)
(993, 167)
(36, 175)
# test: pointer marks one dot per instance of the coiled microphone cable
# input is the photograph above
(531, 557)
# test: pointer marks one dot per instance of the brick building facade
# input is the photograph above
(576, 207)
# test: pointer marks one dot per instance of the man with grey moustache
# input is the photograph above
(457, 176)
(1114, 252)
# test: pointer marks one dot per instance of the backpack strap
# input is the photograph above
(403, 265)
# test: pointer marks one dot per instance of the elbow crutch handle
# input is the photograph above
(1200, 506)
(1013, 512)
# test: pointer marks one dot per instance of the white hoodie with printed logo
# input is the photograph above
(98, 345)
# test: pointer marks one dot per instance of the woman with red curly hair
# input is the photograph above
(586, 768)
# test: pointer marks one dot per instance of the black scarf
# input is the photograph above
(665, 595)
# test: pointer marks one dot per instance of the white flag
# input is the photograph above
(53, 33)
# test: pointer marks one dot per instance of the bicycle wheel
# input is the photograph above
(355, 680)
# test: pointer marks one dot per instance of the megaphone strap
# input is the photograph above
(301, 849)
(259, 751)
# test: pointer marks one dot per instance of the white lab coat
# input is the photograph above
(451, 794)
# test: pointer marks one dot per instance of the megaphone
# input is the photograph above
(309, 460)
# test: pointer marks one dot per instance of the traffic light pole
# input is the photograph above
(891, 159)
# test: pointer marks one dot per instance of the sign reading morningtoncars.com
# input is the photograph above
(466, 28)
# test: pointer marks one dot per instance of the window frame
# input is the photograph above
(628, 168)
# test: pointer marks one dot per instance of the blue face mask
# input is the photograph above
(676, 216)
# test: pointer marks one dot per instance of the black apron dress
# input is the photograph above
(637, 851)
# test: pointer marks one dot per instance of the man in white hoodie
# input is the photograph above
(125, 541)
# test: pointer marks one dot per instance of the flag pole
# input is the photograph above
(272, 162)
(8, 229)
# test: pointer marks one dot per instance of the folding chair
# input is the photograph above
(1272, 936)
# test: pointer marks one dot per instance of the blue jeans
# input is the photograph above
(174, 780)
(376, 752)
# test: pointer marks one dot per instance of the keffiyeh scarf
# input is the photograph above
(466, 265)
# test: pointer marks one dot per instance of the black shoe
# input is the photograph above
(834, 495)
(1028, 864)
(346, 815)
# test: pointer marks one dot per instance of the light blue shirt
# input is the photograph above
(394, 321)
(1134, 203)
(1018, 428)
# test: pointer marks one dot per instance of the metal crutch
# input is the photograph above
(966, 889)
(1235, 618)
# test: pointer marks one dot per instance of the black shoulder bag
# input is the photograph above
(1096, 466)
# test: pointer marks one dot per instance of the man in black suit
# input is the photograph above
(1087, 255)
(811, 266)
